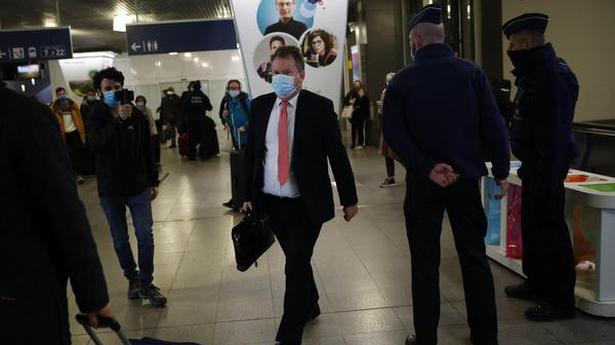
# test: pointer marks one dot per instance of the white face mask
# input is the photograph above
(140, 104)
(233, 93)
(170, 93)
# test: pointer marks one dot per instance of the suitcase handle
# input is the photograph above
(104, 322)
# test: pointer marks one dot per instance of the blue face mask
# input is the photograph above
(109, 98)
(62, 97)
(283, 85)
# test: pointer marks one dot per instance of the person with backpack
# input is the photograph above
(235, 115)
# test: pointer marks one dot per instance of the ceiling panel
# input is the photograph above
(92, 20)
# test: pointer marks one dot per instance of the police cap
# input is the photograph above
(527, 21)
(428, 14)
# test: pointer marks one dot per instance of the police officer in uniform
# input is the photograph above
(196, 123)
(441, 117)
(542, 139)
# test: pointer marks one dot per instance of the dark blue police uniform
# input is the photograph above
(442, 110)
(542, 139)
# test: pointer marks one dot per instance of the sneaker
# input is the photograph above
(359, 147)
(134, 287)
(411, 340)
(153, 294)
(388, 183)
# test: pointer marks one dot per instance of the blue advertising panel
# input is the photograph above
(35, 44)
(180, 36)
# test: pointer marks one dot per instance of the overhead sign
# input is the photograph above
(317, 27)
(35, 44)
(180, 36)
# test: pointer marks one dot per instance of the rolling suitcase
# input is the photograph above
(184, 144)
(115, 327)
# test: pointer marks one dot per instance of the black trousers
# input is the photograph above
(424, 208)
(358, 131)
(548, 258)
(390, 163)
(297, 237)
(76, 151)
(156, 147)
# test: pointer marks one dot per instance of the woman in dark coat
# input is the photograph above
(359, 99)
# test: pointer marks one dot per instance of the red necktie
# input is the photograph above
(283, 155)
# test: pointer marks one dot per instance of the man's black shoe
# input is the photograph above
(522, 291)
(546, 313)
(134, 287)
(315, 313)
(153, 294)
(229, 204)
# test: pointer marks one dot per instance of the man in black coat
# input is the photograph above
(287, 24)
(441, 118)
(127, 178)
(170, 112)
(45, 238)
(542, 139)
(293, 136)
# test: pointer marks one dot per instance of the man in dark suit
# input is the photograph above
(293, 135)
(287, 24)
(441, 117)
(45, 238)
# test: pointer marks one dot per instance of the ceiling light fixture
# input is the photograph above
(205, 64)
(235, 58)
(173, 53)
(120, 20)
(196, 59)
(50, 22)
(187, 55)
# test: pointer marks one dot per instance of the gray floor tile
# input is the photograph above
(245, 332)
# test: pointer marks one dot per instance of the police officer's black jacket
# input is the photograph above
(125, 163)
(442, 110)
(541, 134)
(45, 238)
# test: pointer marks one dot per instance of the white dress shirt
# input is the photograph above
(69, 124)
(272, 186)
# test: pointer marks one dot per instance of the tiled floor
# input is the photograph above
(362, 270)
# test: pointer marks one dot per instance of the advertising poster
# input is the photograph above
(317, 27)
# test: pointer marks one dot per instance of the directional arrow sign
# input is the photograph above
(181, 36)
(40, 44)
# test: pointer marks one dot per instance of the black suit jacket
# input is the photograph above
(317, 141)
(45, 238)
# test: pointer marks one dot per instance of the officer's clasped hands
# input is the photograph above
(443, 175)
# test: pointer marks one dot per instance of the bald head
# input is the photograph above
(425, 34)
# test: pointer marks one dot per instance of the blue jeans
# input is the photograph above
(141, 211)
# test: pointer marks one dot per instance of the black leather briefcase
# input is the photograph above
(252, 237)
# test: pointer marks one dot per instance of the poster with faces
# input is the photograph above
(317, 27)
